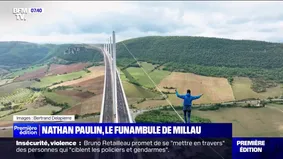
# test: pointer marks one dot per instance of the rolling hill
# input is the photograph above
(23, 54)
(20, 54)
(207, 56)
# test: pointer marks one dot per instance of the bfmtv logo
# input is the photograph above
(20, 13)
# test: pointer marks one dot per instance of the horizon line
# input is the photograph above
(233, 39)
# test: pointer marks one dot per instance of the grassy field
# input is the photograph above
(11, 87)
(95, 71)
(37, 74)
(91, 105)
(214, 89)
(151, 104)
(248, 121)
(76, 95)
(21, 95)
(147, 66)
(136, 93)
(142, 78)
(45, 110)
(58, 98)
(20, 72)
(122, 75)
(95, 85)
(133, 91)
(242, 90)
(50, 80)
(5, 81)
(63, 69)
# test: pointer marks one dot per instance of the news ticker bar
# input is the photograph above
(149, 148)
(110, 130)
(236, 148)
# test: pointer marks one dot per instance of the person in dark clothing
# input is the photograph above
(187, 103)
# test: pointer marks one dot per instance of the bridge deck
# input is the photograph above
(123, 116)
(108, 99)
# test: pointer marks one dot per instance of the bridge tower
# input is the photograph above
(115, 104)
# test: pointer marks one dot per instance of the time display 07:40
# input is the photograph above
(36, 10)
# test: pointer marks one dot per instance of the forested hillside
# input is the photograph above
(208, 56)
(18, 54)
(80, 53)
(23, 54)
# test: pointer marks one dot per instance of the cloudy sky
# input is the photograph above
(93, 22)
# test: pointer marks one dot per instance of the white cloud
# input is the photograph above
(86, 22)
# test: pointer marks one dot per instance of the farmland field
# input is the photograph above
(21, 98)
(136, 72)
(50, 80)
(94, 85)
(214, 89)
(11, 87)
(242, 90)
(75, 94)
(20, 72)
(39, 73)
(63, 69)
(148, 66)
(58, 98)
(141, 77)
(91, 105)
(95, 72)
(248, 122)
(133, 91)
(20, 95)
